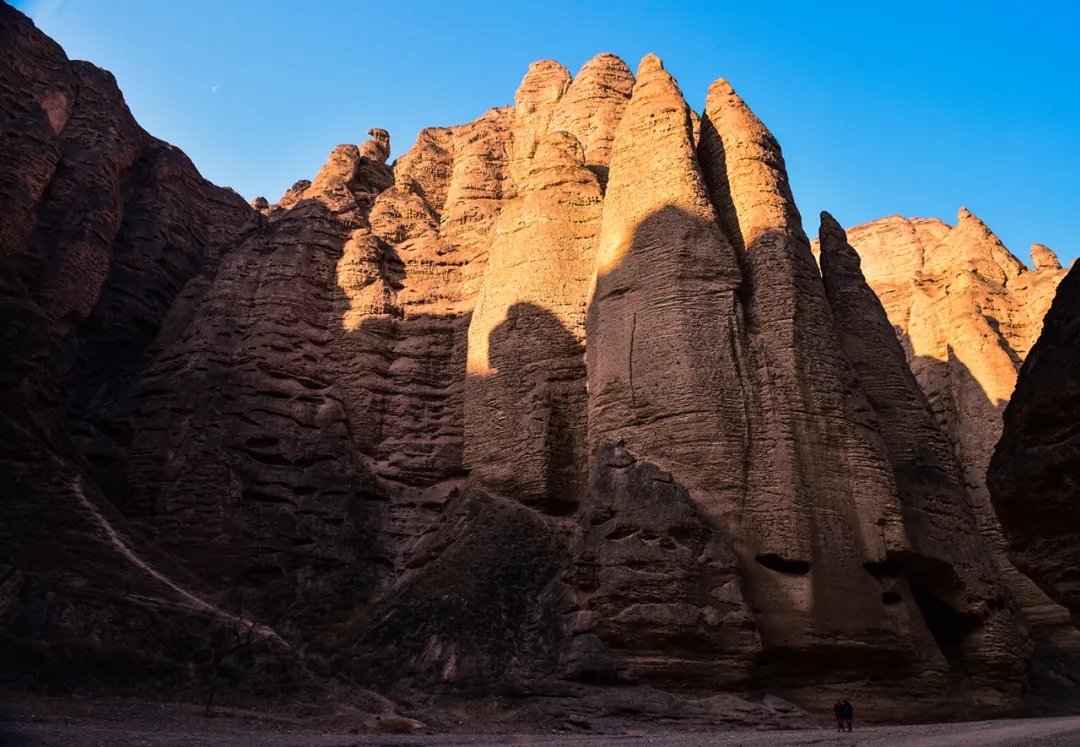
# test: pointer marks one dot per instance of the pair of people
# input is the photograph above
(844, 713)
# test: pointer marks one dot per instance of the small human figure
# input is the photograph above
(838, 711)
(849, 713)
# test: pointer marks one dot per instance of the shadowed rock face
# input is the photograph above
(967, 312)
(947, 561)
(662, 327)
(828, 509)
(659, 593)
(1035, 472)
(101, 226)
(557, 399)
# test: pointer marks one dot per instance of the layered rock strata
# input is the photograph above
(947, 561)
(967, 312)
(101, 225)
(659, 591)
(526, 400)
(557, 398)
(661, 326)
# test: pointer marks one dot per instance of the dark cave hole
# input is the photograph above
(948, 626)
(774, 562)
(559, 508)
(886, 569)
(891, 597)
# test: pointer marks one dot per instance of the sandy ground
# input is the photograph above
(42, 724)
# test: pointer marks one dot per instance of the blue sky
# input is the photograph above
(914, 108)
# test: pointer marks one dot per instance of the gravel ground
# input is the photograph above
(133, 724)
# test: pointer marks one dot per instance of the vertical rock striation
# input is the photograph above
(559, 394)
(947, 564)
(662, 329)
(822, 503)
(967, 312)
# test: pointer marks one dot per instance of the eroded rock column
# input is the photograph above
(526, 403)
(665, 369)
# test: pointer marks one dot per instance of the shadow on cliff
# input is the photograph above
(1053, 679)
(671, 252)
(176, 483)
(528, 413)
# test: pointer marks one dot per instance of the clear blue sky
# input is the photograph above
(906, 107)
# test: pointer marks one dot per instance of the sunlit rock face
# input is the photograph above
(558, 396)
(526, 402)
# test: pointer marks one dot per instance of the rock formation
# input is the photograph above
(967, 312)
(946, 561)
(525, 397)
(101, 225)
(592, 108)
(557, 400)
(661, 317)
(1035, 472)
(660, 591)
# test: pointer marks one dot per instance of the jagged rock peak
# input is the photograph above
(293, 194)
(1043, 258)
(334, 177)
(971, 245)
(540, 74)
(664, 265)
(378, 148)
(754, 196)
(605, 61)
(832, 230)
(593, 105)
(649, 63)
(534, 104)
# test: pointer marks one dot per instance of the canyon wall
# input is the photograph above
(101, 226)
(556, 400)
(967, 313)
(1035, 471)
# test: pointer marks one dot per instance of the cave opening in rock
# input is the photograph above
(948, 626)
(774, 562)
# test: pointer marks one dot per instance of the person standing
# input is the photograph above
(838, 711)
(849, 713)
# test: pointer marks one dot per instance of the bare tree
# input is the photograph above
(239, 633)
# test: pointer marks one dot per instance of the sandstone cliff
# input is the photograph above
(101, 225)
(1035, 470)
(946, 561)
(967, 312)
(557, 400)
